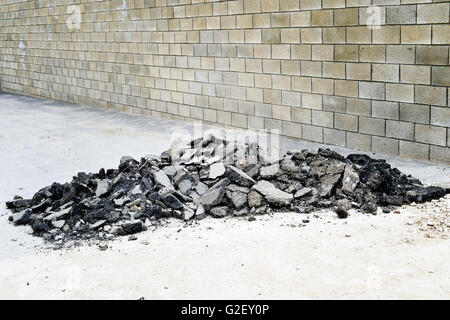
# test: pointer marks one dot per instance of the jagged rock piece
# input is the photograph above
(328, 184)
(240, 177)
(133, 227)
(102, 187)
(21, 217)
(350, 180)
(57, 215)
(162, 179)
(215, 194)
(303, 192)
(219, 212)
(272, 194)
(216, 170)
(255, 199)
(269, 171)
(200, 213)
(201, 188)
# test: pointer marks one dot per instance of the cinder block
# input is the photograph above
(311, 35)
(252, 36)
(333, 3)
(310, 4)
(263, 110)
(301, 115)
(415, 74)
(281, 82)
(244, 21)
(334, 137)
(255, 94)
(334, 35)
(400, 54)
(372, 90)
(270, 5)
(400, 130)
(311, 68)
(252, 6)
(372, 16)
(433, 13)
(416, 34)
(415, 113)
(289, 5)
(290, 67)
(312, 101)
(385, 72)
(301, 52)
(262, 51)
(239, 120)
(261, 20)
(300, 19)
(435, 55)
(414, 150)
(323, 52)
(334, 103)
(280, 51)
(210, 115)
(346, 122)
(358, 71)
(323, 86)
(372, 53)
(346, 53)
(430, 95)
(322, 118)
(359, 141)
(441, 34)
(404, 14)
(280, 20)
(359, 35)
(312, 133)
(256, 123)
(281, 112)
(271, 66)
(290, 35)
(235, 7)
(372, 126)
(273, 125)
(290, 98)
(292, 129)
(359, 107)
(271, 36)
(399, 92)
(386, 35)
(346, 17)
(440, 76)
(302, 84)
(387, 146)
(440, 155)
(385, 110)
(431, 134)
(322, 18)
(440, 116)
(346, 88)
(333, 70)
(272, 96)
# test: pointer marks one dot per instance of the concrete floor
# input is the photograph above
(43, 141)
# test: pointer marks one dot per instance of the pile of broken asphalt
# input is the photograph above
(218, 178)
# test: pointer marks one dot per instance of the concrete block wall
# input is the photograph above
(367, 74)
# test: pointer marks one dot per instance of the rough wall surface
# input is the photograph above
(367, 74)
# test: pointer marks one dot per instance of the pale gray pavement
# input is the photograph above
(43, 141)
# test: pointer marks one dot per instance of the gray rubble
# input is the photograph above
(218, 178)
